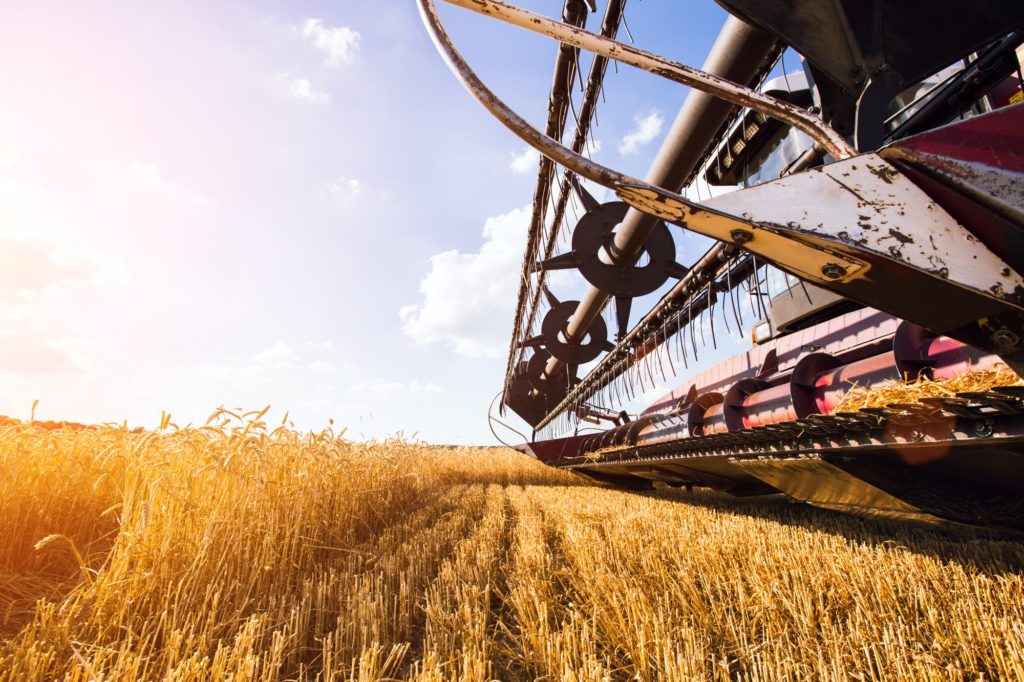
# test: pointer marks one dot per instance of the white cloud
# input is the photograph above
(149, 174)
(594, 146)
(384, 390)
(338, 43)
(323, 367)
(276, 361)
(278, 356)
(23, 354)
(646, 129)
(345, 187)
(80, 351)
(524, 162)
(299, 88)
(36, 268)
(468, 298)
(42, 266)
(33, 262)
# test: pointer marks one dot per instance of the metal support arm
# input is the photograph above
(841, 255)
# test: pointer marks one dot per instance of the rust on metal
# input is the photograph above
(929, 229)
(799, 118)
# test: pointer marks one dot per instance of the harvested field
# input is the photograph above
(239, 551)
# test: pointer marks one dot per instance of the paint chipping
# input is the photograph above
(884, 173)
(900, 237)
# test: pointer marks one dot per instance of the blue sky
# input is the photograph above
(294, 204)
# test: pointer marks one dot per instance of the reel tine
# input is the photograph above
(639, 369)
(750, 297)
(711, 316)
(668, 349)
(700, 323)
(757, 283)
(681, 340)
(657, 361)
(732, 298)
(660, 355)
(631, 384)
(623, 305)
(693, 336)
(725, 317)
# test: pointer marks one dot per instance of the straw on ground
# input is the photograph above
(237, 551)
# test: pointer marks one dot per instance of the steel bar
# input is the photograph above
(609, 27)
(738, 53)
(832, 252)
(819, 131)
(516, 123)
(574, 12)
(836, 435)
(684, 299)
(656, 200)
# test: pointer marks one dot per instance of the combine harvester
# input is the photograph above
(877, 235)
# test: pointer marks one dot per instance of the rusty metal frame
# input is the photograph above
(741, 53)
(831, 258)
(665, 319)
(812, 125)
(833, 437)
(526, 312)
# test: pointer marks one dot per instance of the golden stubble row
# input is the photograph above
(702, 591)
(237, 551)
(230, 551)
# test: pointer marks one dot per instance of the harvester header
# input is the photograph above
(875, 234)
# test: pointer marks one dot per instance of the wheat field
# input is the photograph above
(240, 551)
